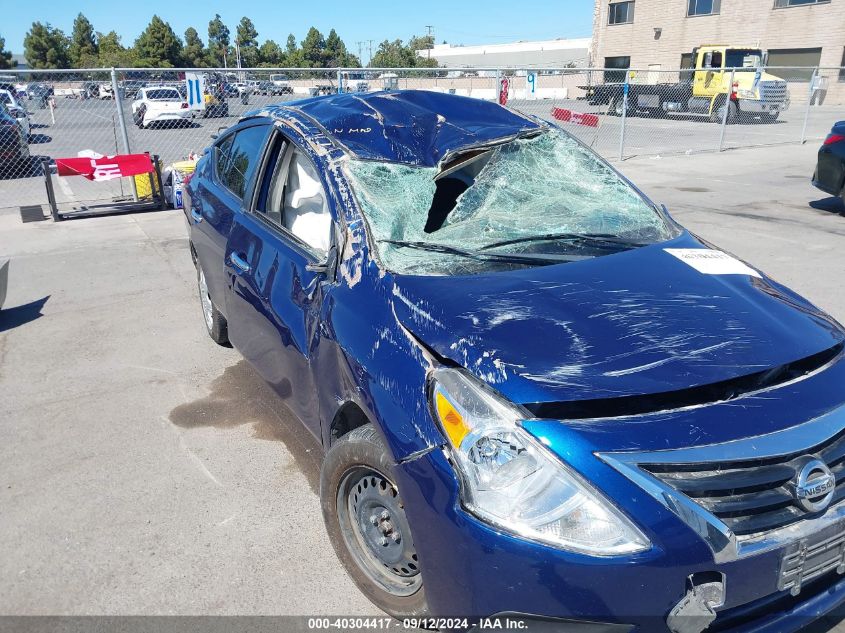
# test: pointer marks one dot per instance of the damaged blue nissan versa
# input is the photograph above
(538, 395)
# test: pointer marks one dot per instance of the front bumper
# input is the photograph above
(473, 570)
(757, 106)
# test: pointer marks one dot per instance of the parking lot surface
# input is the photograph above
(144, 470)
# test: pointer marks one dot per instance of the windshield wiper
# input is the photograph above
(605, 240)
(488, 257)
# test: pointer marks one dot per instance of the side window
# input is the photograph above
(242, 155)
(293, 197)
(221, 157)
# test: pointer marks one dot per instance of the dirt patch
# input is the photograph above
(240, 396)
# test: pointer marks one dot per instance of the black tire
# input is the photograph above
(356, 477)
(716, 114)
(769, 117)
(215, 323)
(139, 116)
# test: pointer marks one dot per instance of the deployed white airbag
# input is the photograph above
(306, 212)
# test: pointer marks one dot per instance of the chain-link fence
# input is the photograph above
(620, 113)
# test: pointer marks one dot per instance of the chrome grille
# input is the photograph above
(752, 497)
(773, 91)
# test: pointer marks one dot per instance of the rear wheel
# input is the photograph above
(366, 521)
(215, 322)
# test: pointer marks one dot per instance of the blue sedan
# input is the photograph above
(539, 397)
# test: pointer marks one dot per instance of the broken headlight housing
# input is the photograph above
(512, 481)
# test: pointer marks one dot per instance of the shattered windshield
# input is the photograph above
(532, 201)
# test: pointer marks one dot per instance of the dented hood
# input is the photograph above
(637, 322)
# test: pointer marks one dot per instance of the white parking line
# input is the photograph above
(64, 185)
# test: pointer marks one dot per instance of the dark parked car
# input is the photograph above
(131, 88)
(14, 146)
(830, 168)
(537, 393)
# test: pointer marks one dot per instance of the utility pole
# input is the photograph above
(430, 39)
(371, 52)
(360, 44)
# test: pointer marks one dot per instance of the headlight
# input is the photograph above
(510, 480)
(746, 94)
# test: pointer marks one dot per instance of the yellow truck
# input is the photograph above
(705, 89)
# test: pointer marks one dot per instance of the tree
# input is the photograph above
(393, 55)
(158, 45)
(5, 56)
(46, 47)
(218, 42)
(314, 49)
(290, 47)
(271, 55)
(247, 40)
(421, 44)
(84, 51)
(336, 53)
(113, 53)
(193, 52)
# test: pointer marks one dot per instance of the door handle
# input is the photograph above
(239, 262)
(196, 215)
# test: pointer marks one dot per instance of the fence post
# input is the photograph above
(727, 107)
(625, 89)
(118, 103)
(339, 81)
(809, 101)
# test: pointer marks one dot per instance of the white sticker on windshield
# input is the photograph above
(711, 262)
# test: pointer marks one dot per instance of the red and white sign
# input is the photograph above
(105, 167)
(578, 118)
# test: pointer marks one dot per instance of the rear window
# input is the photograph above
(161, 94)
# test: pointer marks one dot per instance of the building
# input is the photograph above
(540, 54)
(19, 62)
(660, 34)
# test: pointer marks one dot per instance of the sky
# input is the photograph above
(488, 22)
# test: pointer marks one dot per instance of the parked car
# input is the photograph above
(131, 88)
(270, 89)
(39, 92)
(160, 105)
(537, 393)
(282, 83)
(830, 168)
(14, 107)
(14, 145)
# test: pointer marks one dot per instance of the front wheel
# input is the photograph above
(366, 521)
(717, 115)
(769, 117)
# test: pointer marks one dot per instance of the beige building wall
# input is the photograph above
(740, 22)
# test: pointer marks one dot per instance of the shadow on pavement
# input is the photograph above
(833, 204)
(19, 315)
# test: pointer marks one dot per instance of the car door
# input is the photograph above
(276, 267)
(219, 194)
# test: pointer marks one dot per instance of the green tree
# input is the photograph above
(336, 53)
(421, 44)
(314, 49)
(290, 47)
(5, 56)
(218, 42)
(46, 47)
(113, 53)
(158, 45)
(84, 51)
(193, 52)
(247, 39)
(393, 55)
(271, 55)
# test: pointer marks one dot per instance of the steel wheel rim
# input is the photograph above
(205, 300)
(376, 531)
